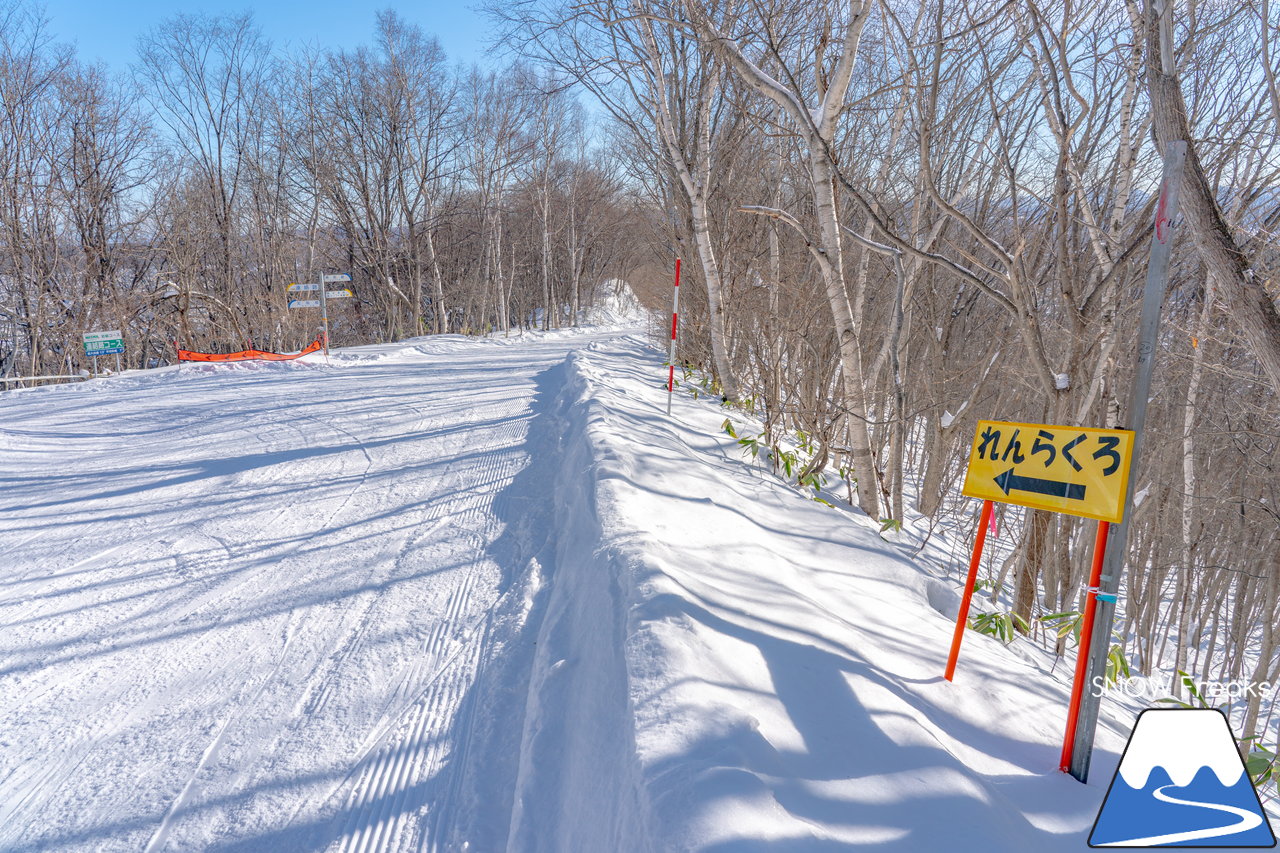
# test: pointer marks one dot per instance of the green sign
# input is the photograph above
(103, 343)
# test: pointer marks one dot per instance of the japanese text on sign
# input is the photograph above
(1074, 470)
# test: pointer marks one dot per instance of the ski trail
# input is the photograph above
(190, 789)
(392, 786)
(270, 596)
(162, 831)
(1248, 820)
(408, 783)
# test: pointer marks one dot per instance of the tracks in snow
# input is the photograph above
(411, 771)
(280, 642)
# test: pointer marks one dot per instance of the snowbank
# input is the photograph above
(727, 665)
(579, 781)
(615, 304)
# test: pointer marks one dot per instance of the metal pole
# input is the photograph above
(1117, 544)
(324, 312)
(962, 618)
(671, 360)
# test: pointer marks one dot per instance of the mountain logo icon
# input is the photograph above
(1181, 783)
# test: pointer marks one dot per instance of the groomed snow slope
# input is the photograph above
(275, 606)
(483, 596)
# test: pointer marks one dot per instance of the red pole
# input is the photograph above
(962, 618)
(675, 312)
(1082, 653)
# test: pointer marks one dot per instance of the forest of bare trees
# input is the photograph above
(177, 203)
(906, 216)
(897, 217)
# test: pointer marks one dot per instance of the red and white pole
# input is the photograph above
(671, 359)
(1082, 651)
(962, 618)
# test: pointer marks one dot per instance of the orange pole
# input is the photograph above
(962, 618)
(1082, 653)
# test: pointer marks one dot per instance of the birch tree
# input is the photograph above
(664, 85)
(815, 122)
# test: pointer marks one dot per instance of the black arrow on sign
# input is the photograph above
(1009, 481)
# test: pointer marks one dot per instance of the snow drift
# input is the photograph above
(726, 665)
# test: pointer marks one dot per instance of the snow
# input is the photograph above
(615, 304)
(784, 663)
(253, 605)
(456, 594)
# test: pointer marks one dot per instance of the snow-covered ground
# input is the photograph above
(479, 595)
(251, 607)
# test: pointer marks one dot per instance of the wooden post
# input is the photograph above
(324, 311)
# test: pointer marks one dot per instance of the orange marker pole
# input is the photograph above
(962, 618)
(1082, 653)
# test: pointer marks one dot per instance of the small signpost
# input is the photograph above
(103, 343)
(1073, 470)
(1083, 472)
(323, 302)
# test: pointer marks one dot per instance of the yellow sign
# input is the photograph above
(1075, 470)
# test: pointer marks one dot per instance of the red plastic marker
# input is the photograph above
(671, 359)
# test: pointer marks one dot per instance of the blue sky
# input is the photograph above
(108, 31)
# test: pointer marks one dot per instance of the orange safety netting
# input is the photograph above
(247, 354)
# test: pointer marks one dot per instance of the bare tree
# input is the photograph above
(1240, 288)
(205, 77)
